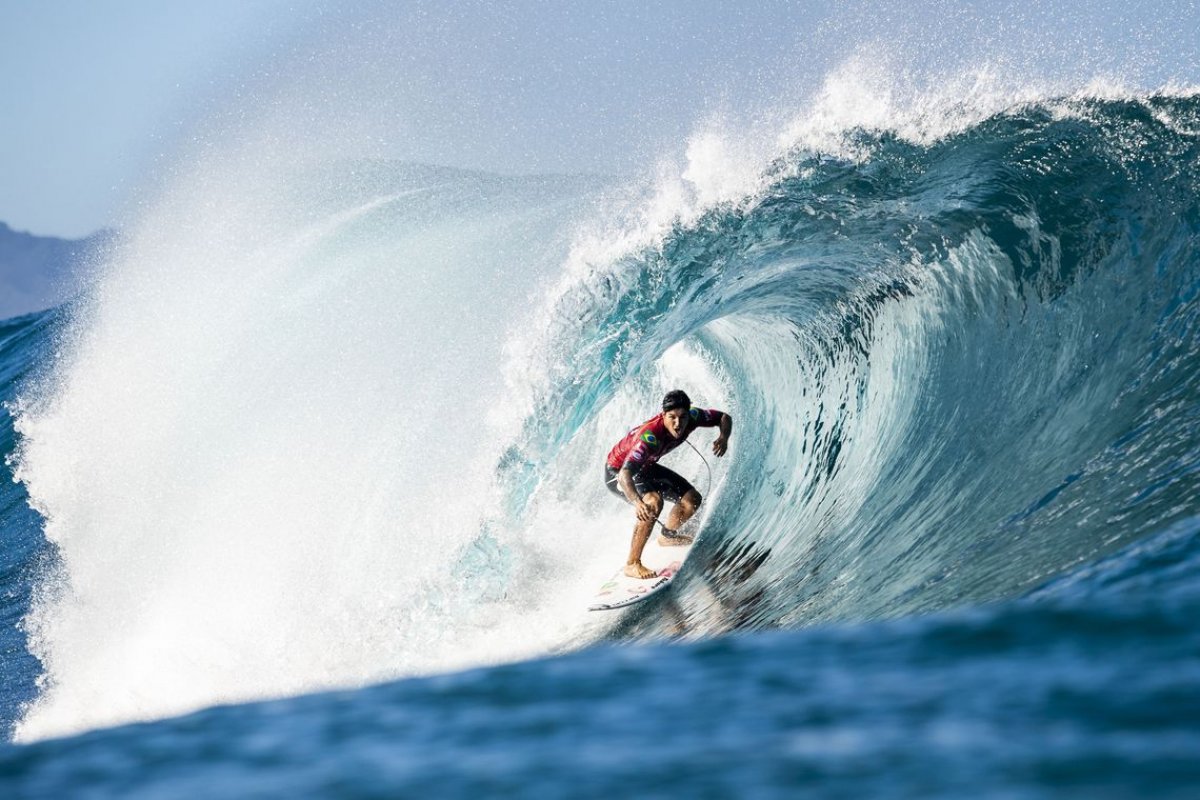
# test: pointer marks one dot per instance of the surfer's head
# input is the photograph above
(676, 398)
(675, 412)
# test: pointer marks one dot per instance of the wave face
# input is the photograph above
(958, 368)
(960, 365)
(25, 554)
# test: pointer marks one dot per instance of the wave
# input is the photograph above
(283, 447)
(959, 366)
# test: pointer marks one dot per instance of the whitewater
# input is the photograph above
(332, 431)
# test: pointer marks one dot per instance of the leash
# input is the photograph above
(658, 522)
(706, 466)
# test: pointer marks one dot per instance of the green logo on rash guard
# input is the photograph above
(694, 412)
(650, 439)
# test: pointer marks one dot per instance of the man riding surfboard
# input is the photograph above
(632, 472)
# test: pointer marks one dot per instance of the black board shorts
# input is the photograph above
(654, 478)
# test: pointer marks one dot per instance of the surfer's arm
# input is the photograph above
(712, 418)
(721, 443)
(625, 483)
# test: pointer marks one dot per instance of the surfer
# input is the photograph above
(632, 472)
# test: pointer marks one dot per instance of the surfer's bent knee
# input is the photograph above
(654, 500)
(694, 498)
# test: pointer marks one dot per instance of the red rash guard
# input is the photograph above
(650, 441)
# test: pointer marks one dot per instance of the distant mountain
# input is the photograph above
(37, 272)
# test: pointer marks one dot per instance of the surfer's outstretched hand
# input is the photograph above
(720, 445)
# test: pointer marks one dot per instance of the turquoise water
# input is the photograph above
(954, 548)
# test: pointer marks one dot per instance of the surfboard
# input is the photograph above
(621, 590)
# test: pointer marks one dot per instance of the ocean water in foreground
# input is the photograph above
(954, 549)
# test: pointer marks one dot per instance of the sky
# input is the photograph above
(90, 88)
(98, 96)
(98, 92)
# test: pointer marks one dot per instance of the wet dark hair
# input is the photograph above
(676, 398)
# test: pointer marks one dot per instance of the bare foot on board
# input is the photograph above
(636, 570)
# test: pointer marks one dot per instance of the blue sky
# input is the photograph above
(90, 89)
(100, 91)
(98, 96)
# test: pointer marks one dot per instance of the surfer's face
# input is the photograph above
(675, 419)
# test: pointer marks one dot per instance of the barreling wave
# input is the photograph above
(958, 367)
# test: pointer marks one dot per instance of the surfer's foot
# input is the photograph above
(636, 570)
(670, 538)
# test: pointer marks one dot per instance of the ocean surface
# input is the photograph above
(304, 497)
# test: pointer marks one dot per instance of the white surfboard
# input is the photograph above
(621, 590)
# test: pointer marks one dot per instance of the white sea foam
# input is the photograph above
(264, 442)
